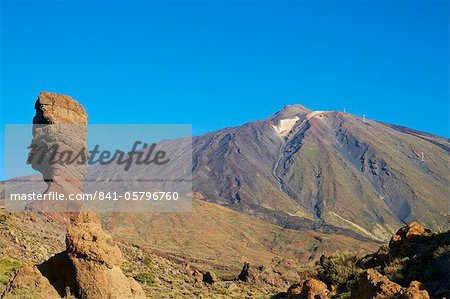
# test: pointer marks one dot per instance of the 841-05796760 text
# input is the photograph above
(97, 195)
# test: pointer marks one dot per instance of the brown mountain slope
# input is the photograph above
(215, 237)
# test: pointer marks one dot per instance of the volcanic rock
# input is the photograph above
(198, 276)
(59, 136)
(377, 286)
(28, 280)
(209, 277)
(419, 255)
(406, 233)
(245, 273)
(90, 266)
(187, 268)
(261, 275)
(415, 290)
(96, 260)
(86, 238)
(308, 289)
(53, 108)
(60, 273)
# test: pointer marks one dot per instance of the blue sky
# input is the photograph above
(214, 64)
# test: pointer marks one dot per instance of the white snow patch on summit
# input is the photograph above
(285, 126)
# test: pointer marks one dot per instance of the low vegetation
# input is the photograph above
(423, 258)
(145, 277)
(7, 267)
(339, 270)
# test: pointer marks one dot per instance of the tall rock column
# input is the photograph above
(59, 151)
(91, 255)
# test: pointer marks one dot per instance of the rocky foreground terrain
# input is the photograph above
(415, 264)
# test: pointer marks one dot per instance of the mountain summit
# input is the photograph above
(290, 111)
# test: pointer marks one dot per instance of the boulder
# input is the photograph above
(415, 290)
(295, 290)
(406, 233)
(198, 276)
(245, 273)
(209, 277)
(308, 289)
(187, 269)
(232, 287)
(261, 275)
(30, 283)
(376, 286)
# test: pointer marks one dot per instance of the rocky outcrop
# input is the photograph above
(417, 254)
(53, 108)
(96, 260)
(415, 290)
(90, 266)
(58, 145)
(377, 286)
(406, 233)
(29, 282)
(392, 272)
(374, 285)
(59, 126)
(261, 275)
(209, 277)
(86, 239)
(187, 269)
(88, 269)
(308, 289)
(245, 273)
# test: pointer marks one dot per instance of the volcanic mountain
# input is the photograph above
(315, 168)
(301, 183)
(327, 171)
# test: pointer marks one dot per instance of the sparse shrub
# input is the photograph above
(222, 291)
(7, 266)
(340, 270)
(147, 261)
(146, 278)
(394, 271)
(3, 218)
(346, 295)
